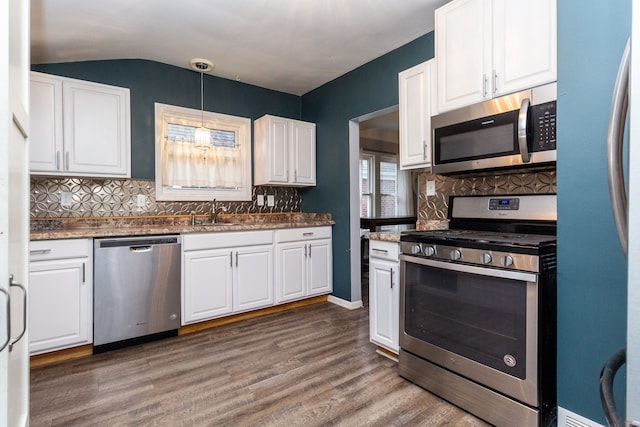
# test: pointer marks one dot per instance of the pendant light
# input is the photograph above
(202, 134)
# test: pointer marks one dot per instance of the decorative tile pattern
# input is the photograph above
(118, 197)
(436, 207)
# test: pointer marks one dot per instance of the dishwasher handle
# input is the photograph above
(136, 242)
(139, 249)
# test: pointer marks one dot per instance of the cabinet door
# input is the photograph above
(415, 86)
(253, 278)
(60, 311)
(463, 52)
(207, 284)
(46, 135)
(384, 303)
(524, 34)
(319, 265)
(278, 129)
(96, 129)
(303, 152)
(290, 272)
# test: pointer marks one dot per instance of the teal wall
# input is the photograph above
(151, 82)
(369, 88)
(591, 266)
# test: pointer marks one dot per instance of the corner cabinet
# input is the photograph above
(416, 90)
(489, 48)
(79, 128)
(384, 294)
(284, 152)
(303, 263)
(60, 294)
(226, 273)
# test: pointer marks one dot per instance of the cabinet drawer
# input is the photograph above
(307, 233)
(214, 240)
(57, 249)
(383, 249)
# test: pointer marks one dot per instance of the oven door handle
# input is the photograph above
(464, 268)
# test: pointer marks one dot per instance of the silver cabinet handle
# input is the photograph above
(66, 160)
(8, 309)
(384, 251)
(495, 81)
(58, 160)
(391, 277)
(615, 134)
(236, 258)
(522, 131)
(24, 311)
(231, 259)
(310, 233)
(305, 250)
(39, 251)
(309, 250)
(84, 272)
(485, 80)
(295, 175)
(424, 150)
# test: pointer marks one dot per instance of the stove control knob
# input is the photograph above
(507, 260)
(429, 251)
(416, 250)
(486, 258)
(456, 254)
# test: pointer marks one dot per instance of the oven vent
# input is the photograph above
(567, 418)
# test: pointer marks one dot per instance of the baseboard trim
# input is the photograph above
(195, 327)
(60, 355)
(351, 305)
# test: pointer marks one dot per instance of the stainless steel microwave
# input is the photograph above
(512, 131)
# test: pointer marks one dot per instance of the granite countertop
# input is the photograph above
(394, 236)
(75, 228)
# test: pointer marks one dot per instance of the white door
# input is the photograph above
(463, 52)
(46, 136)
(384, 302)
(253, 271)
(290, 271)
(278, 129)
(207, 284)
(415, 94)
(14, 216)
(303, 150)
(319, 265)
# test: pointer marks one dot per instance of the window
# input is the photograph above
(385, 191)
(187, 171)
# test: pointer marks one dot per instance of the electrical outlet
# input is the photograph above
(66, 199)
(141, 200)
(260, 200)
(431, 188)
(271, 200)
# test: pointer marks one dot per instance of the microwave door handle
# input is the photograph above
(522, 131)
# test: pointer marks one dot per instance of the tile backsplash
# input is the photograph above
(92, 197)
(435, 207)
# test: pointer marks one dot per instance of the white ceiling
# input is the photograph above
(292, 46)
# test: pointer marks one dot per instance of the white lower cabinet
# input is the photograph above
(60, 294)
(225, 273)
(384, 294)
(303, 263)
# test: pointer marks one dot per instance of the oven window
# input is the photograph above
(479, 317)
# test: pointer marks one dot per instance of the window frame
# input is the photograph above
(192, 117)
(374, 159)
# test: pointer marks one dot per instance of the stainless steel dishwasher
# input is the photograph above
(136, 290)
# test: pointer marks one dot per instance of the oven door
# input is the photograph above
(478, 322)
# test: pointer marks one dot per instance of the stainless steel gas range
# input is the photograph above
(478, 308)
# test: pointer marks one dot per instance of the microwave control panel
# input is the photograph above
(543, 127)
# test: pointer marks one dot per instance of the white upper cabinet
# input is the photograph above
(79, 128)
(488, 48)
(416, 95)
(284, 152)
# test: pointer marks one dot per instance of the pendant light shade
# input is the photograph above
(202, 134)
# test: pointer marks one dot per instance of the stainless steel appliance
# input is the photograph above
(478, 308)
(513, 131)
(136, 290)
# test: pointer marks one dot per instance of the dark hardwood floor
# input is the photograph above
(310, 366)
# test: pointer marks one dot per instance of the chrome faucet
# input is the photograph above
(213, 215)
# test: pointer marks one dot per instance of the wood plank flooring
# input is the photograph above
(309, 366)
